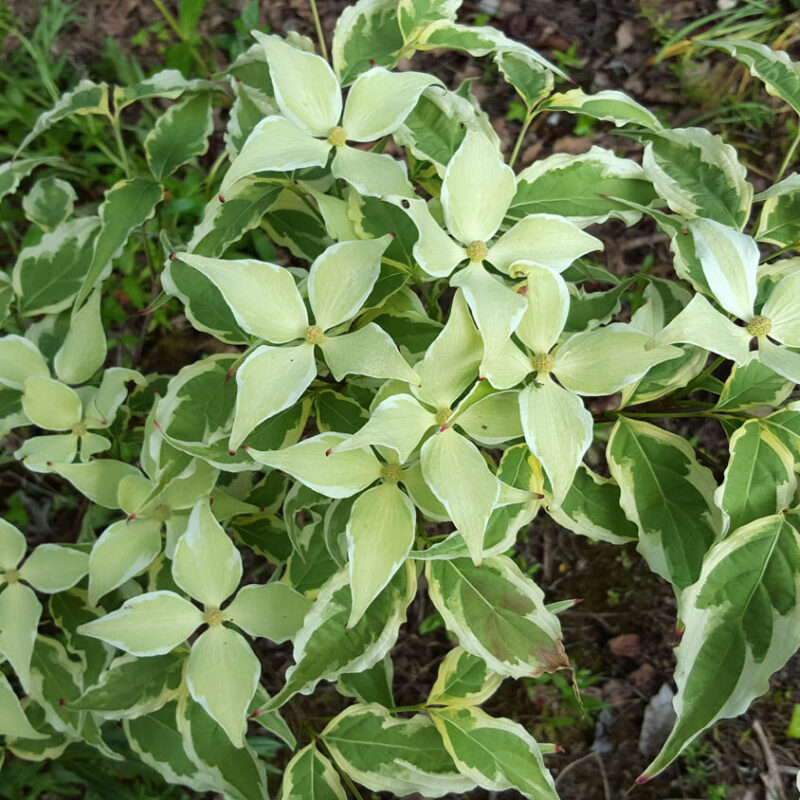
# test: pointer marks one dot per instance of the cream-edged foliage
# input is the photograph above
(419, 349)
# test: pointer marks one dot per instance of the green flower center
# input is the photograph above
(442, 415)
(212, 617)
(336, 136)
(477, 251)
(162, 513)
(12, 576)
(759, 326)
(543, 363)
(314, 334)
(391, 473)
(79, 429)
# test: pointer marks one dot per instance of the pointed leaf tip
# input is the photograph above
(642, 779)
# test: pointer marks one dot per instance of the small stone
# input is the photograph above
(643, 675)
(627, 645)
(659, 717)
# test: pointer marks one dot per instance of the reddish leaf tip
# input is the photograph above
(229, 373)
(49, 463)
(642, 779)
(393, 235)
(103, 422)
(245, 447)
(173, 256)
(557, 748)
(131, 516)
(444, 427)
(373, 62)
(539, 495)
(222, 198)
(256, 713)
(157, 426)
(577, 600)
(231, 452)
(328, 451)
(481, 377)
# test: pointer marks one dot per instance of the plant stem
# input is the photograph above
(703, 375)
(790, 154)
(525, 125)
(390, 262)
(242, 356)
(120, 144)
(318, 25)
(171, 21)
(8, 230)
(294, 188)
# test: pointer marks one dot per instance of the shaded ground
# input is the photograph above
(622, 633)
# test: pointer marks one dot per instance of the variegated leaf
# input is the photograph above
(463, 680)
(496, 753)
(669, 496)
(310, 776)
(390, 754)
(759, 479)
(741, 622)
(325, 647)
(498, 614)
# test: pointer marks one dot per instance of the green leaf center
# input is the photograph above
(477, 251)
(391, 473)
(212, 617)
(759, 326)
(543, 363)
(336, 136)
(314, 334)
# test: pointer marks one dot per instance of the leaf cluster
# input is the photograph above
(421, 376)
